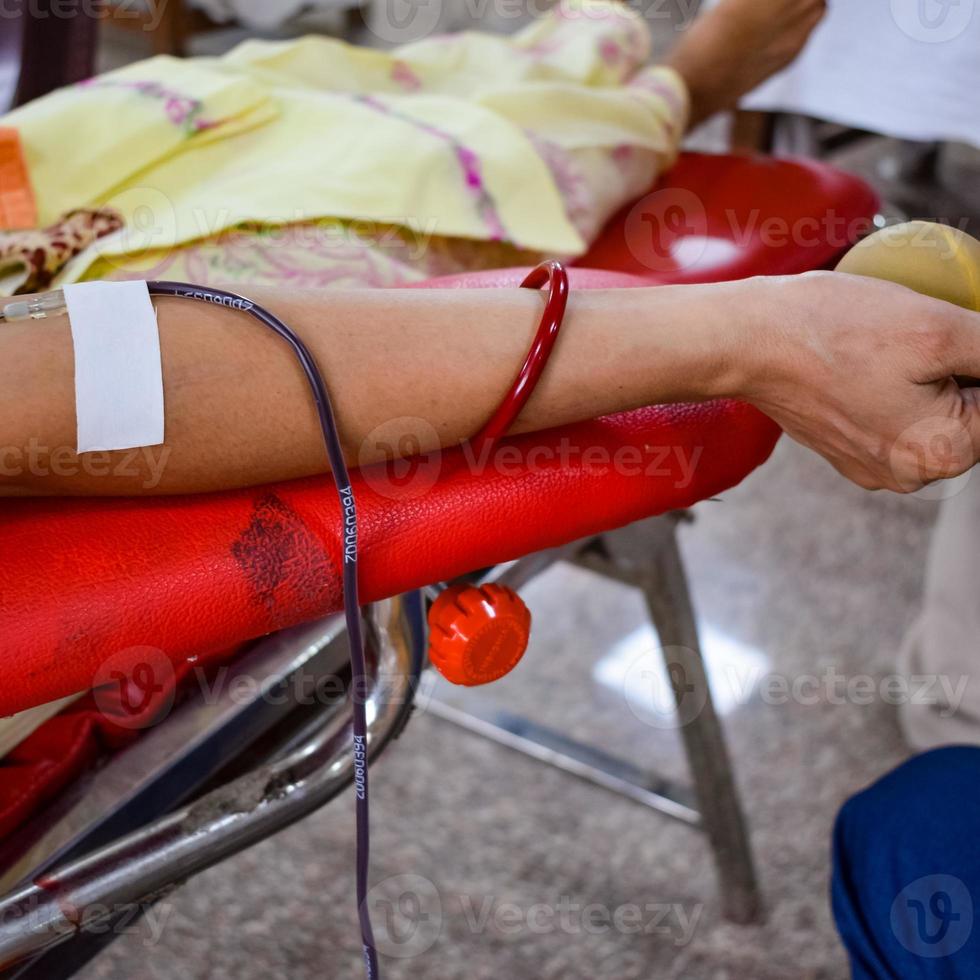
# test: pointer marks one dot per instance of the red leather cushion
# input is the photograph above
(99, 723)
(87, 581)
(715, 218)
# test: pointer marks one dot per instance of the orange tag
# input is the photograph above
(17, 207)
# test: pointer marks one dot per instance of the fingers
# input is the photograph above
(971, 420)
(939, 440)
(959, 331)
(938, 446)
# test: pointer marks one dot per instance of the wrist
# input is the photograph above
(781, 349)
(692, 343)
(733, 335)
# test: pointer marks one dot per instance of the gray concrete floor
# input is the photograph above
(794, 573)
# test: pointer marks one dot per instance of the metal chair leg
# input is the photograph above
(645, 556)
(669, 602)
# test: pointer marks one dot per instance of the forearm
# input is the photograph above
(737, 44)
(430, 365)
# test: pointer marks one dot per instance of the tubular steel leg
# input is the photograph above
(644, 556)
(83, 895)
(668, 599)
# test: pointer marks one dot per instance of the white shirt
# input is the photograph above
(904, 68)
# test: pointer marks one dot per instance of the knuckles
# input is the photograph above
(931, 337)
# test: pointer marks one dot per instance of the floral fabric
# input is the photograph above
(317, 162)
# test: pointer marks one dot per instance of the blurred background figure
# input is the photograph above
(904, 69)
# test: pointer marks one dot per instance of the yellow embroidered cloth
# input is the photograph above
(313, 162)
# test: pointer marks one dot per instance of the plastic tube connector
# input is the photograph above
(35, 308)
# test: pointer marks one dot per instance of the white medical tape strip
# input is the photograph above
(118, 377)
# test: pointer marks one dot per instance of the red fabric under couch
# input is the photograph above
(86, 583)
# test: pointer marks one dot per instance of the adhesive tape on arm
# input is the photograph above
(118, 376)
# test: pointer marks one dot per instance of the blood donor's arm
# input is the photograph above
(853, 368)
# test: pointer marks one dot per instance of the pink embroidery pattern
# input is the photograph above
(542, 49)
(469, 163)
(576, 195)
(623, 155)
(321, 254)
(403, 76)
(610, 51)
(181, 110)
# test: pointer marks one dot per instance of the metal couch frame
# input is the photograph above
(224, 771)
